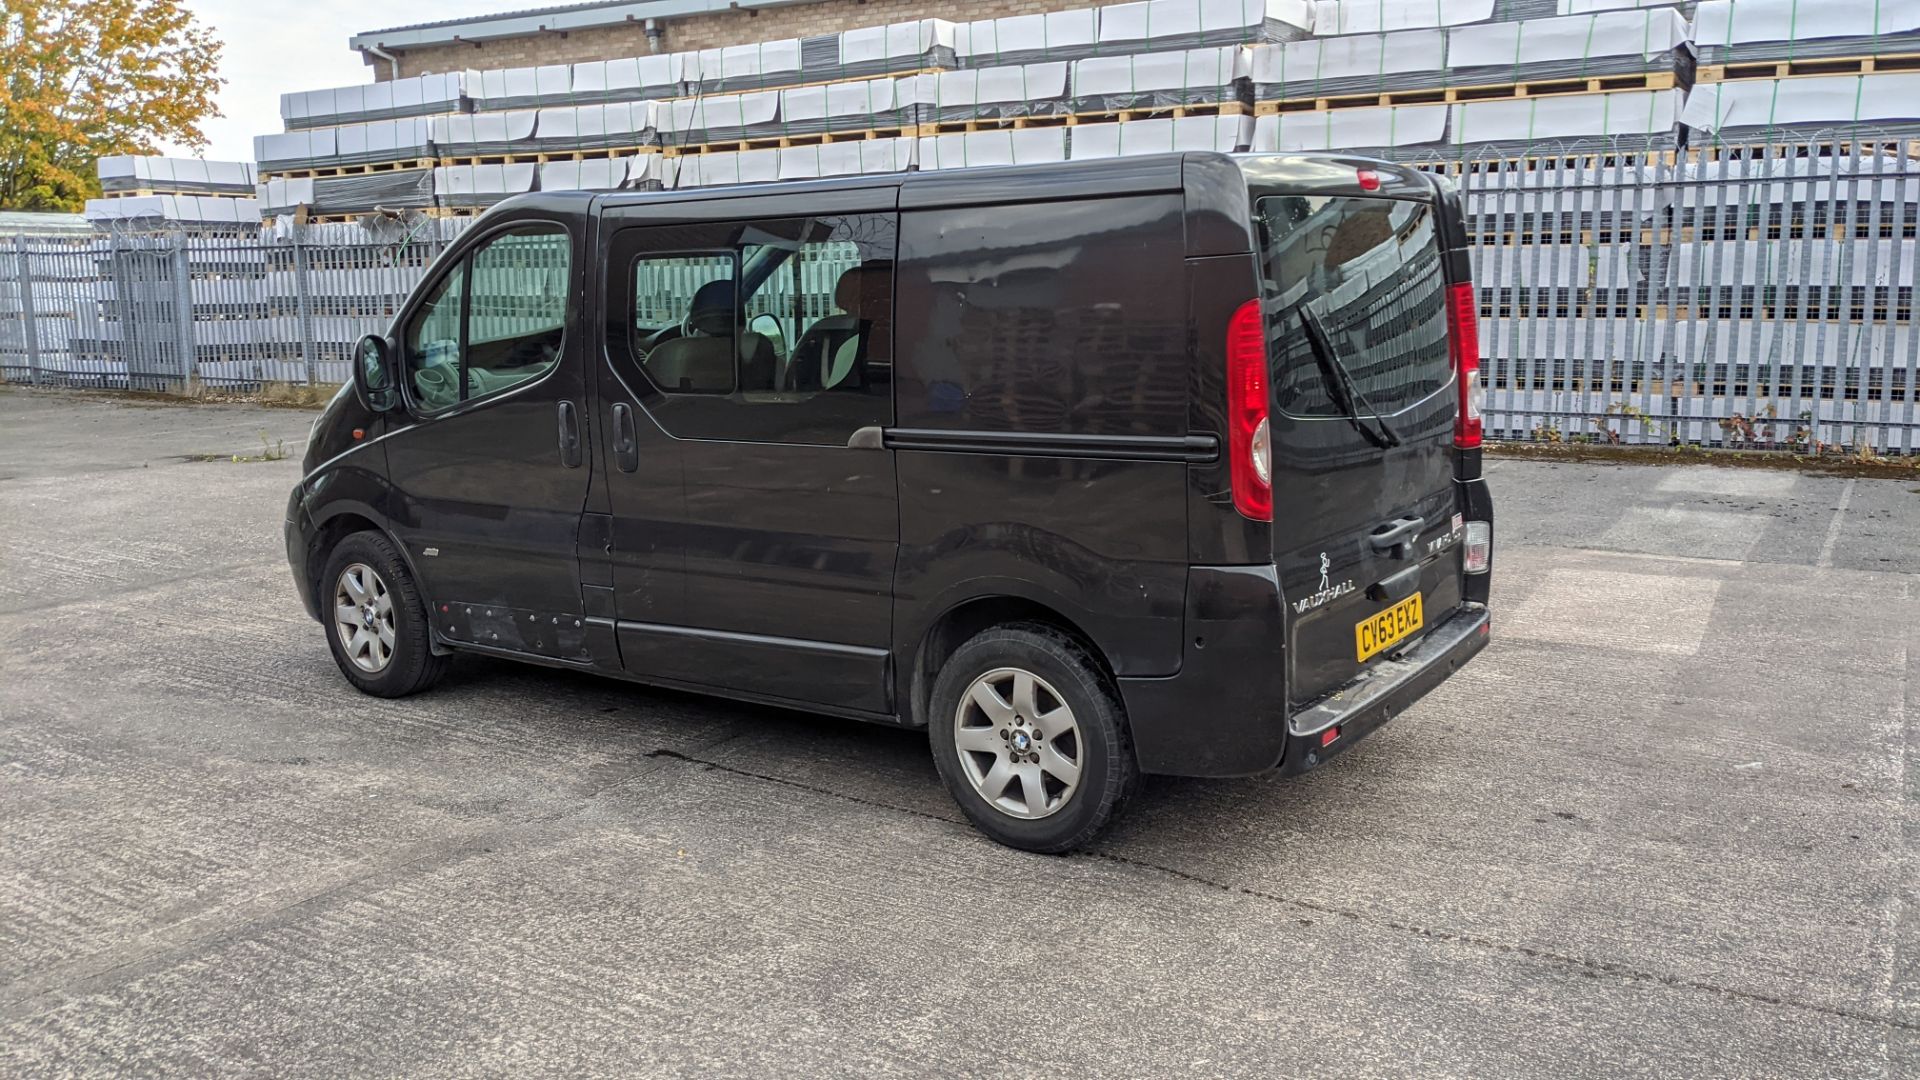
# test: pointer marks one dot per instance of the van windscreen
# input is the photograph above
(1355, 298)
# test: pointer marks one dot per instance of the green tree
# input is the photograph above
(83, 79)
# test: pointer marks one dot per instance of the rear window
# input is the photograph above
(1368, 273)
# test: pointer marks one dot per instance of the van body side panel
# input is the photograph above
(743, 561)
(1225, 712)
(1216, 533)
(482, 501)
(1041, 417)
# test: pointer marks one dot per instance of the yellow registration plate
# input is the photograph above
(1378, 632)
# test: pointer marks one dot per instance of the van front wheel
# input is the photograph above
(376, 620)
(1030, 738)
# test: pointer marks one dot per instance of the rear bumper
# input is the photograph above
(1225, 713)
(1385, 690)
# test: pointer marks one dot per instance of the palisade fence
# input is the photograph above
(1757, 295)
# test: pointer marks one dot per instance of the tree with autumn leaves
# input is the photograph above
(84, 79)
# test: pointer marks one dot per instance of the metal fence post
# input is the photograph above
(29, 327)
(184, 337)
(303, 298)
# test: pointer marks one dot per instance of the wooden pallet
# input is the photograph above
(1739, 70)
(330, 171)
(1460, 95)
(1753, 149)
(782, 142)
(1470, 167)
(543, 157)
(136, 193)
(1111, 116)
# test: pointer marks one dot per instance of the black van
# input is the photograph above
(1145, 465)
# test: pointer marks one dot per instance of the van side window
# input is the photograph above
(496, 321)
(768, 331)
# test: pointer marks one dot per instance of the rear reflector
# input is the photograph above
(1477, 554)
(1463, 317)
(1249, 460)
(1328, 736)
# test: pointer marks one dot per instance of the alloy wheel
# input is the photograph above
(363, 617)
(1018, 742)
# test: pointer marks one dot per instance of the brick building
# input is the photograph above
(623, 28)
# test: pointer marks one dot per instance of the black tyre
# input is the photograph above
(1031, 739)
(376, 619)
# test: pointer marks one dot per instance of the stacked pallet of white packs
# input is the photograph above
(1146, 54)
(1746, 31)
(422, 95)
(177, 176)
(1421, 59)
(152, 191)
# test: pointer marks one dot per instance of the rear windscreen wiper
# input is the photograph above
(1340, 385)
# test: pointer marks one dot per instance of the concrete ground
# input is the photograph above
(1665, 825)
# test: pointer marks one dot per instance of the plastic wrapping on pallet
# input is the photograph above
(1728, 32)
(277, 197)
(1819, 102)
(1625, 119)
(479, 134)
(1152, 25)
(595, 127)
(293, 149)
(1350, 64)
(747, 67)
(175, 209)
(383, 141)
(852, 158)
(1569, 47)
(896, 47)
(519, 88)
(189, 176)
(1185, 77)
(1333, 17)
(1379, 129)
(1028, 39)
(1588, 7)
(995, 92)
(719, 118)
(603, 174)
(422, 95)
(480, 185)
(1161, 135)
(1024, 146)
(851, 106)
(635, 78)
(400, 189)
(724, 167)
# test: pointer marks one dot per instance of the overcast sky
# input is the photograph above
(273, 46)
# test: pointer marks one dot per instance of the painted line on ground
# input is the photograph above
(1825, 561)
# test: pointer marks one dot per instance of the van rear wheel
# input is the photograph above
(1031, 739)
(376, 619)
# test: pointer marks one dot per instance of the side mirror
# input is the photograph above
(373, 375)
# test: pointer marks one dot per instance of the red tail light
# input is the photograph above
(1249, 457)
(1463, 315)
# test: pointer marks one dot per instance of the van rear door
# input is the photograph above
(1366, 530)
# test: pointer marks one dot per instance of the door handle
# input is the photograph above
(1396, 537)
(626, 448)
(1395, 586)
(569, 435)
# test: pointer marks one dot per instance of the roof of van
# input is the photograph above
(1036, 183)
(1061, 179)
